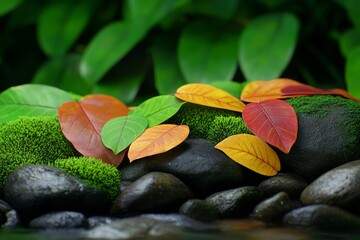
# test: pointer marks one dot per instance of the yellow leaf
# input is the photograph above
(157, 139)
(251, 152)
(210, 96)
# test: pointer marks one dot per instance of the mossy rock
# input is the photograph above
(328, 135)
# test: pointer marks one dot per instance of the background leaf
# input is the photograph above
(267, 45)
(349, 41)
(234, 88)
(214, 58)
(31, 100)
(61, 23)
(210, 96)
(352, 73)
(157, 139)
(63, 72)
(82, 122)
(274, 121)
(251, 152)
(168, 76)
(158, 109)
(118, 133)
(8, 5)
(107, 47)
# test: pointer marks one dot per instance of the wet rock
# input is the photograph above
(328, 135)
(338, 187)
(100, 220)
(238, 202)
(154, 192)
(4, 208)
(66, 219)
(290, 183)
(134, 228)
(199, 210)
(33, 190)
(197, 163)
(322, 217)
(273, 209)
(12, 219)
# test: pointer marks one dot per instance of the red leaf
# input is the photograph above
(274, 121)
(82, 121)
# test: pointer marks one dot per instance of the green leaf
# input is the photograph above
(148, 13)
(168, 76)
(234, 88)
(267, 45)
(63, 73)
(61, 23)
(8, 5)
(31, 100)
(108, 46)
(352, 73)
(349, 41)
(118, 133)
(217, 8)
(207, 53)
(353, 8)
(158, 109)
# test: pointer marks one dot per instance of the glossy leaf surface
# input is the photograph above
(267, 45)
(251, 152)
(210, 96)
(274, 121)
(157, 140)
(158, 109)
(70, 18)
(118, 133)
(82, 122)
(31, 100)
(207, 53)
(108, 46)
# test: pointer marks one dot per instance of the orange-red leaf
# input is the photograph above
(251, 152)
(343, 93)
(210, 96)
(258, 91)
(274, 121)
(82, 121)
(157, 139)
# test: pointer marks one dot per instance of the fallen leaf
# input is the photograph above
(302, 90)
(257, 91)
(157, 140)
(82, 122)
(118, 133)
(210, 96)
(251, 152)
(274, 121)
(343, 93)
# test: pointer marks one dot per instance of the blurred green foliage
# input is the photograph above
(135, 49)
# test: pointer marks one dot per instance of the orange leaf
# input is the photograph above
(157, 139)
(210, 96)
(251, 152)
(82, 121)
(343, 93)
(262, 90)
(274, 121)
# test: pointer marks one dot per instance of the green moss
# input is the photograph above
(213, 124)
(93, 172)
(225, 126)
(320, 104)
(31, 140)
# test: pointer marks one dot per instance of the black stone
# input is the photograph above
(199, 210)
(64, 219)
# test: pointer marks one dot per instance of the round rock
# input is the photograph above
(195, 162)
(65, 219)
(290, 183)
(322, 217)
(328, 135)
(153, 192)
(273, 208)
(238, 202)
(33, 190)
(199, 210)
(338, 187)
